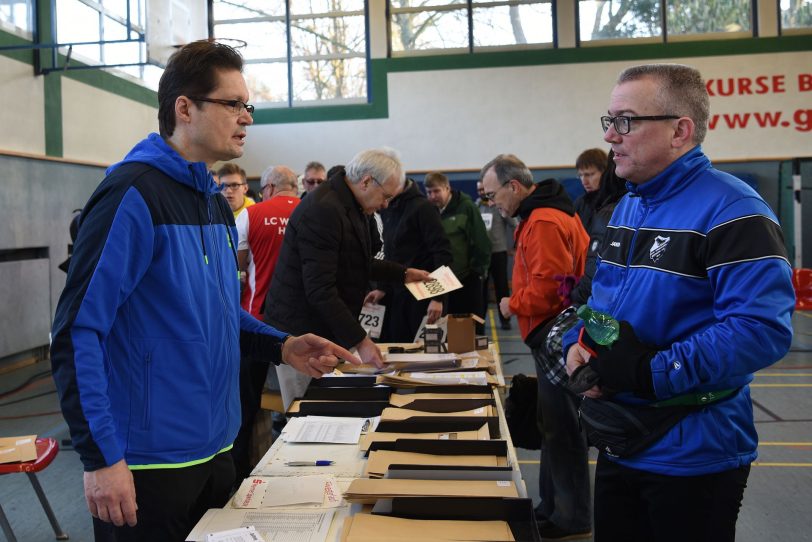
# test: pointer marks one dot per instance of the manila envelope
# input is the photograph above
(391, 414)
(374, 528)
(368, 490)
(403, 399)
(379, 461)
(369, 438)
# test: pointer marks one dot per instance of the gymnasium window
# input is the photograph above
(468, 25)
(16, 17)
(795, 15)
(298, 52)
(643, 20)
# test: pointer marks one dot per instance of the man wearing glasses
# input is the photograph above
(694, 268)
(314, 175)
(234, 184)
(148, 333)
(327, 261)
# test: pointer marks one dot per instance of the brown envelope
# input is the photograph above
(392, 414)
(402, 400)
(379, 461)
(369, 438)
(374, 528)
(367, 490)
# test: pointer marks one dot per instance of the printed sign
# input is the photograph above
(371, 319)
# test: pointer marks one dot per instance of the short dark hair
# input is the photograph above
(230, 168)
(436, 179)
(682, 92)
(314, 165)
(192, 71)
(592, 157)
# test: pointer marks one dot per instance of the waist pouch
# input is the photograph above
(622, 430)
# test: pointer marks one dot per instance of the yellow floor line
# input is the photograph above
(785, 443)
(804, 313)
(494, 336)
(784, 374)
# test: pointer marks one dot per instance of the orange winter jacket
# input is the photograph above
(549, 243)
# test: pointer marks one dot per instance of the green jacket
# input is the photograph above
(470, 246)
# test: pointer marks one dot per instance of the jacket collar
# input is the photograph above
(672, 179)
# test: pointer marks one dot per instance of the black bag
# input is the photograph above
(622, 430)
(520, 412)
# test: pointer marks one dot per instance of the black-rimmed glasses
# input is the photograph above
(230, 186)
(623, 123)
(237, 106)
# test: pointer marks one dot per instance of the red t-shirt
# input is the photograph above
(261, 229)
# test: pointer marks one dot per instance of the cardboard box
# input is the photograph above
(461, 335)
(14, 449)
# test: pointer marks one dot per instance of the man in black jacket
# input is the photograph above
(413, 235)
(326, 263)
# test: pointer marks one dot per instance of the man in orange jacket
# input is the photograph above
(551, 247)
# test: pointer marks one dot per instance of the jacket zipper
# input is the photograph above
(147, 390)
(221, 290)
(627, 270)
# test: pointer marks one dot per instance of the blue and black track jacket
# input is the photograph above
(148, 332)
(694, 260)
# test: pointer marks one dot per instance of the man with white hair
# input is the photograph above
(327, 259)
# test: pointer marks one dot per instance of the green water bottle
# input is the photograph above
(600, 326)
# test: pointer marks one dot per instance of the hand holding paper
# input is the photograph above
(443, 281)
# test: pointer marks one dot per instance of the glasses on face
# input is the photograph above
(312, 182)
(236, 106)
(623, 123)
(230, 186)
(491, 195)
(386, 195)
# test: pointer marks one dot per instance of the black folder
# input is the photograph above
(444, 447)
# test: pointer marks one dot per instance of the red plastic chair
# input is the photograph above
(802, 281)
(47, 448)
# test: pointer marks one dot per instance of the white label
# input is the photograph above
(487, 218)
(371, 319)
(503, 483)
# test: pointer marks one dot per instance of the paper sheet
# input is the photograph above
(300, 491)
(348, 460)
(299, 526)
(335, 430)
(444, 281)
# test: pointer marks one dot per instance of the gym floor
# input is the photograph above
(776, 502)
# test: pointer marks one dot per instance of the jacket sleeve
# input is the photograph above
(753, 300)
(259, 341)
(545, 253)
(480, 244)
(431, 230)
(319, 245)
(112, 252)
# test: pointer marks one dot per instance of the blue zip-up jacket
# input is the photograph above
(148, 332)
(694, 260)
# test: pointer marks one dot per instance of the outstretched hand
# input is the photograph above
(314, 355)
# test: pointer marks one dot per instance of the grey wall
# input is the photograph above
(37, 198)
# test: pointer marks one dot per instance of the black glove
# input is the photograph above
(625, 365)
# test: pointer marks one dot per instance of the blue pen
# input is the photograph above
(318, 463)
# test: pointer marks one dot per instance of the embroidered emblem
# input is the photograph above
(658, 247)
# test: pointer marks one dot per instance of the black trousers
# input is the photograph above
(403, 316)
(468, 299)
(498, 274)
(564, 467)
(171, 501)
(252, 382)
(638, 506)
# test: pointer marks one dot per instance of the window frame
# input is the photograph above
(290, 59)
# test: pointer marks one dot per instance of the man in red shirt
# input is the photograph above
(261, 229)
(261, 232)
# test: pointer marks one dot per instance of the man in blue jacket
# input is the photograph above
(693, 266)
(149, 332)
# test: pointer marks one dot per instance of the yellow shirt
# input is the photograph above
(247, 202)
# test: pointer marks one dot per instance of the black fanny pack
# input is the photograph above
(622, 430)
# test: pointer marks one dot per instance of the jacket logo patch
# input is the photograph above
(615, 244)
(658, 247)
